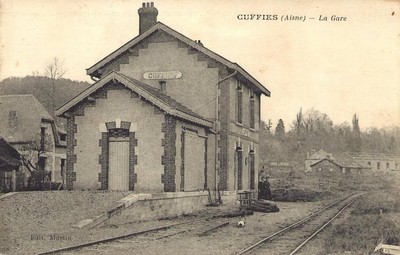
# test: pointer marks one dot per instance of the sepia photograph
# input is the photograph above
(200, 127)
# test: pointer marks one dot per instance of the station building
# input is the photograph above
(165, 114)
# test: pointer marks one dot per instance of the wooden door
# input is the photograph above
(194, 162)
(118, 172)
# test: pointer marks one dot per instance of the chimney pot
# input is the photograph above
(147, 16)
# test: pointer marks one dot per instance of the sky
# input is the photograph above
(336, 67)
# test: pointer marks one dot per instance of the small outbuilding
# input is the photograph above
(10, 161)
(341, 164)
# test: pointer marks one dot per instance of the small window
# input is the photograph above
(42, 163)
(378, 165)
(63, 137)
(369, 163)
(62, 167)
(387, 165)
(12, 119)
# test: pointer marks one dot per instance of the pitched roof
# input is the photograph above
(347, 161)
(26, 114)
(9, 156)
(376, 156)
(320, 154)
(156, 97)
(330, 160)
(160, 26)
(343, 160)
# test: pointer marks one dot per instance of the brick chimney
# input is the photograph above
(147, 16)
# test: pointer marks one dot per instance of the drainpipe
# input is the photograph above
(217, 127)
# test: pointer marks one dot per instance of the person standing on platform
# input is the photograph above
(268, 193)
(262, 189)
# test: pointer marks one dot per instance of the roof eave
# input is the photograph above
(154, 100)
(92, 71)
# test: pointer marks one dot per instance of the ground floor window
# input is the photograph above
(252, 170)
(239, 168)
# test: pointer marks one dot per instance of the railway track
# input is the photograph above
(288, 240)
(126, 243)
(292, 238)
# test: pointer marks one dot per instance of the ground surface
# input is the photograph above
(25, 215)
(30, 221)
(368, 222)
(30, 228)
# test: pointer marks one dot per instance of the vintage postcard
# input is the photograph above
(205, 127)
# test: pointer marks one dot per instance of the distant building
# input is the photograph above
(378, 162)
(326, 166)
(30, 129)
(315, 157)
(341, 164)
(165, 114)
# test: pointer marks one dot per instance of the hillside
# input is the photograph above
(42, 88)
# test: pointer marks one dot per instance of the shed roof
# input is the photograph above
(156, 97)
(93, 71)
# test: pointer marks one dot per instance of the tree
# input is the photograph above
(54, 70)
(299, 123)
(280, 130)
(355, 138)
(266, 127)
(32, 158)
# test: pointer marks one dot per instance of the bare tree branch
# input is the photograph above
(55, 69)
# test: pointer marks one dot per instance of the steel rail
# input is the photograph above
(106, 240)
(294, 225)
(324, 226)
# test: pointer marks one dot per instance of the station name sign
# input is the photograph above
(162, 75)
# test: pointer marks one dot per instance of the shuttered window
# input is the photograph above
(252, 111)
(239, 101)
(252, 170)
(240, 169)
